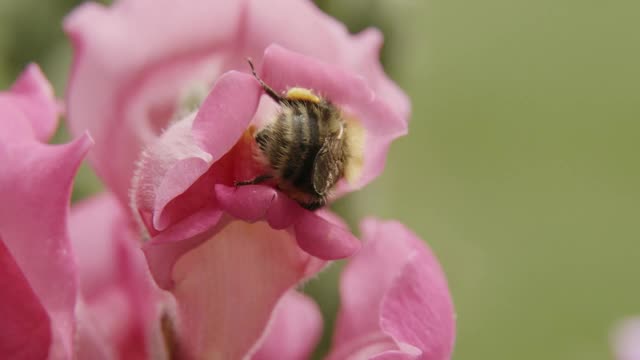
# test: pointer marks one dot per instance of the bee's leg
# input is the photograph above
(272, 93)
(256, 180)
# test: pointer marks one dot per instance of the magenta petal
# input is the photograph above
(319, 237)
(324, 239)
(256, 202)
(294, 329)
(226, 113)
(25, 333)
(407, 312)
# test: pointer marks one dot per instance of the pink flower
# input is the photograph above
(184, 188)
(61, 291)
(232, 256)
(626, 340)
(136, 62)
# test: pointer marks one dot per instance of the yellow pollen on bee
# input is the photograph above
(297, 93)
(355, 145)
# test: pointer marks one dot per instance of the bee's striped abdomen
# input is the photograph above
(302, 178)
(304, 147)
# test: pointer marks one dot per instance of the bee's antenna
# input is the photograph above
(272, 93)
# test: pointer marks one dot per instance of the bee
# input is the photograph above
(307, 147)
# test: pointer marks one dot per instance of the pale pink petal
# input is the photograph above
(120, 306)
(25, 333)
(95, 224)
(365, 60)
(626, 340)
(293, 331)
(33, 216)
(165, 248)
(227, 287)
(133, 61)
(406, 312)
(283, 69)
(295, 25)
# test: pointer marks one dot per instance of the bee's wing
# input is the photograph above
(326, 166)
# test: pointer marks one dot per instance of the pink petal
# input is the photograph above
(131, 65)
(33, 94)
(295, 25)
(174, 163)
(407, 312)
(120, 306)
(323, 238)
(294, 329)
(33, 221)
(167, 169)
(95, 224)
(365, 60)
(315, 235)
(626, 340)
(227, 287)
(283, 69)
(325, 39)
(25, 332)
(226, 113)
(164, 249)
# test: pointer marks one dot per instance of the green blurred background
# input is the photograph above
(520, 170)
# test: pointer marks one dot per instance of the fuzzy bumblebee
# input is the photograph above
(307, 147)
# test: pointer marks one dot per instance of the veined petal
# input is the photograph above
(227, 287)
